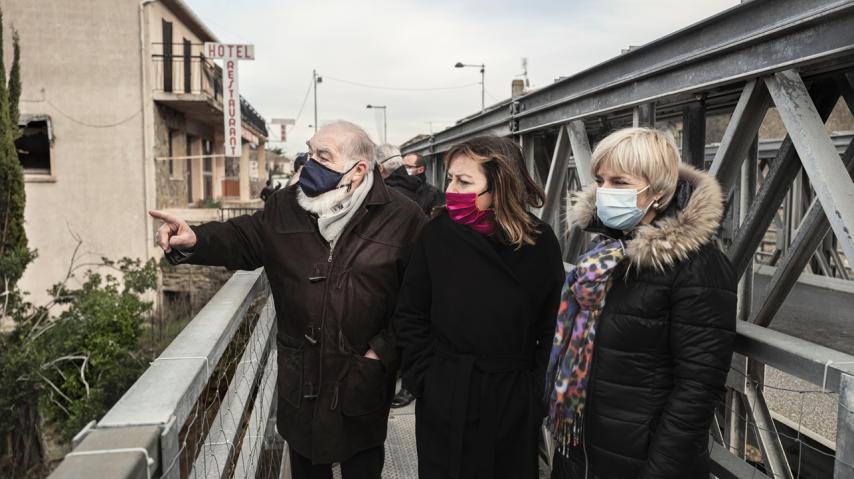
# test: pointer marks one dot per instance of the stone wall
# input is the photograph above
(198, 283)
(171, 188)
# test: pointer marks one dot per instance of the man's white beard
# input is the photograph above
(323, 204)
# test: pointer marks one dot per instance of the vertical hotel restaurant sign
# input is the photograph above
(230, 55)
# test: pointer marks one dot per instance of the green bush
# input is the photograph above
(65, 370)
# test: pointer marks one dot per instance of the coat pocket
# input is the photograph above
(290, 363)
(364, 387)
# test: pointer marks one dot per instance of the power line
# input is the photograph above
(378, 87)
(304, 101)
(81, 122)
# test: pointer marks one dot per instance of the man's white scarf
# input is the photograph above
(332, 220)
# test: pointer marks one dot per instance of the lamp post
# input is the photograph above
(482, 67)
(317, 79)
(385, 120)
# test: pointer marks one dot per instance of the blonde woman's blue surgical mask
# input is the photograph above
(617, 208)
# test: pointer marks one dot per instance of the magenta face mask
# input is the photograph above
(462, 208)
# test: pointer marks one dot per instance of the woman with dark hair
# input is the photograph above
(646, 327)
(475, 318)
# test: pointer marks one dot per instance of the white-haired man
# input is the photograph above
(389, 159)
(334, 247)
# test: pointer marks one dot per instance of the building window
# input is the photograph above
(167, 56)
(188, 60)
(34, 147)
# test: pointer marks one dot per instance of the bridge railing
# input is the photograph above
(830, 372)
(204, 408)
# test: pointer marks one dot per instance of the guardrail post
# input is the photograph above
(843, 467)
(767, 435)
(170, 451)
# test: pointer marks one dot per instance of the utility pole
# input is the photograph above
(482, 87)
(316, 79)
(385, 120)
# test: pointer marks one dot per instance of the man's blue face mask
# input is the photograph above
(316, 179)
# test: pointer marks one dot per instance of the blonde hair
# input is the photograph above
(643, 152)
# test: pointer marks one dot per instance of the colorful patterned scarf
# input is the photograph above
(581, 302)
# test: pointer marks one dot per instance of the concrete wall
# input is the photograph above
(179, 31)
(81, 65)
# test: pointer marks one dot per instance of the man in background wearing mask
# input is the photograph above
(334, 248)
(426, 195)
(389, 160)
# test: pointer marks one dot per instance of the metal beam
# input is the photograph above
(725, 465)
(643, 115)
(769, 440)
(811, 362)
(740, 132)
(809, 236)
(843, 467)
(784, 168)
(557, 177)
(581, 152)
(746, 191)
(694, 134)
(527, 144)
(829, 177)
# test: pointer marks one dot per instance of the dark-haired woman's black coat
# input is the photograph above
(475, 319)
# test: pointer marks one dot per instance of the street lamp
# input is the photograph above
(315, 80)
(385, 120)
(482, 67)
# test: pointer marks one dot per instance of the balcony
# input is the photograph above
(192, 84)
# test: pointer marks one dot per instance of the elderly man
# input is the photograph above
(334, 247)
(389, 159)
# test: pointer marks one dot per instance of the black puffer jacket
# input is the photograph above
(663, 344)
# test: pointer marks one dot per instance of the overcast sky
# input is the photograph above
(415, 44)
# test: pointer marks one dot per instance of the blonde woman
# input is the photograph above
(646, 325)
(475, 318)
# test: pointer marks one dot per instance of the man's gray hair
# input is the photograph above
(389, 156)
(355, 143)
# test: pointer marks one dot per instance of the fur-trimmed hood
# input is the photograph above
(686, 225)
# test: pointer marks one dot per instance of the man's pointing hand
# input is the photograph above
(174, 232)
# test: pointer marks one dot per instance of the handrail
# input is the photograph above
(139, 436)
(142, 426)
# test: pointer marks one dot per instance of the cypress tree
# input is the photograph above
(14, 254)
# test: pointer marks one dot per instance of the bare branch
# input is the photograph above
(52, 385)
(64, 358)
(53, 400)
(83, 375)
(6, 295)
(68, 274)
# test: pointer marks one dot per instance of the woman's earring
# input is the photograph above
(656, 205)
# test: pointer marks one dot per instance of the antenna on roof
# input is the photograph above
(524, 73)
